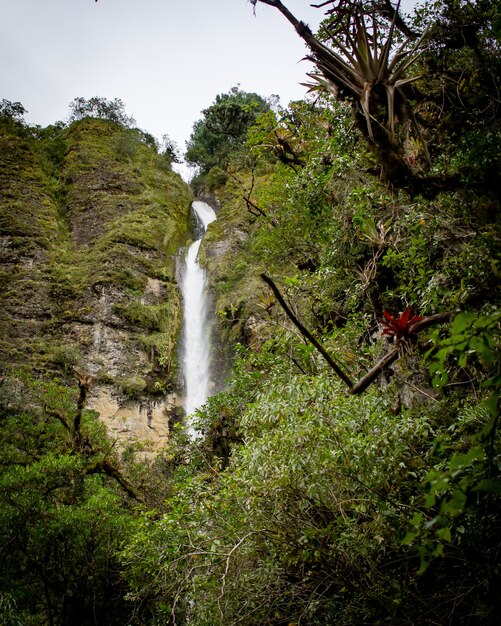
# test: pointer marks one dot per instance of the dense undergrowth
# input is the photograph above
(303, 501)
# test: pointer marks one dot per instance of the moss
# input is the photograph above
(126, 144)
(68, 272)
(5, 279)
(81, 208)
(161, 348)
(161, 318)
(65, 355)
(132, 386)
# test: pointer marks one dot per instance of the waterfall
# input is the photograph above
(196, 324)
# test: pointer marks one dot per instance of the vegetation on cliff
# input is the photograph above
(357, 241)
(91, 218)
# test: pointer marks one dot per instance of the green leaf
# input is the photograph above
(455, 504)
(409, 538)
(489, 485)
(439, 550)
(462, 321)
(444, 534)
(459, 461)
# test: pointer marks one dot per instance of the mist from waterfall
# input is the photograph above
(195, 347)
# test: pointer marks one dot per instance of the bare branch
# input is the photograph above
(83, 386)
(374, 372)
(366, 380)
(430, 321)
(226, 569)
(305, 332)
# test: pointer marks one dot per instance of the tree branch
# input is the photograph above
(305, 332)
(374, 372)
(105, 467)
(83, 386)
(392, 356)
(366, 380)
(227, 567)
(430, 321)
(59, 416)
(393, 13)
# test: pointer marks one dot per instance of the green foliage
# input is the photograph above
(52, 144)
(162, 346)
(66, 356)
(161, 317)
(12, 110)
(295, 500)
(471, 335)
(296, 503)
(461, 498)
(223, 128)
(468, 483)
(126, 144)
(12, 118)
(111, 110)
(61, 524)
(133, 387)
(309, 501)
(8, 610)
(361, 63)
(169, 150)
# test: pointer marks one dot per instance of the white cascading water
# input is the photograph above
(196, 326)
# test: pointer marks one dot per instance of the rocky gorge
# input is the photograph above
(349, 469)
(92, 217)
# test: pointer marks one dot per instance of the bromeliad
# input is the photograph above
(400, 327)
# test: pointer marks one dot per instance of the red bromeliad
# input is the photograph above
(401, 326)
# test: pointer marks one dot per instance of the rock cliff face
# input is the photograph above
(233, 277)
(91, 217)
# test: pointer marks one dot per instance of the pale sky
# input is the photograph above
(166, 59)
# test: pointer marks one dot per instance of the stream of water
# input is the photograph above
(196, 324)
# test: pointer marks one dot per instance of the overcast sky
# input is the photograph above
(166, 59)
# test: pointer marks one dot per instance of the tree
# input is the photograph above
(358, 59)
(223, 128)
(169, 149)
(12, 110)
(63, 508)
(112, 110)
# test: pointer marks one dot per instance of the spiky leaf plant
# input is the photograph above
(362, 61)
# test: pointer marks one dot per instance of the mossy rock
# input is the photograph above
(91, 218)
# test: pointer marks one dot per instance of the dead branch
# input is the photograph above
(252, 207)
(430, 321)
(305, 332)
(366, 380)
(374, 372)
(83, 386)
(227, 567)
